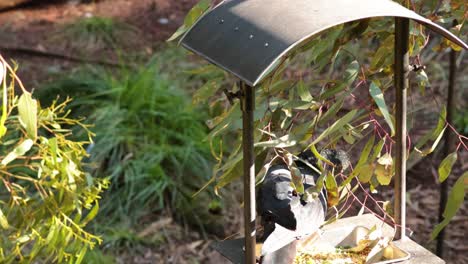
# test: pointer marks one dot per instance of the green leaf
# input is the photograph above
(377, 149)
(282, 142)
(3, 220)
(192, 17)
(2, 72)
(349, 77)
(446, 166)
(332, 111)
(179, 32)
(365, 172)
(53, 149)
(332, 190)
(232, 170)
(19, 150)
(320, 158)
(81, 255)
(3, 128)
(428, 151)
(297, 180)
(361, 166)
(454, 202)
(91, 215)
(434, 134)
(27, 109)
(379, 99)
(366, 151)
(206, 91)
(336, 126)
(304, 92)
(383, 169)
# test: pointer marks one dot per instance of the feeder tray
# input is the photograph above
(347, 232)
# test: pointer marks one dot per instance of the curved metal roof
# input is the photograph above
(248, 37)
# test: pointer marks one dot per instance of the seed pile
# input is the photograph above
(338, 257)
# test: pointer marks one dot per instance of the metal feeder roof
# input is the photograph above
(249, 37)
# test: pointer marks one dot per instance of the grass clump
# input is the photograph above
(92, 33)
(149, 141)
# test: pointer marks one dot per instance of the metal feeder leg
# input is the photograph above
(449, 144)
(401, 86)
(248, 105)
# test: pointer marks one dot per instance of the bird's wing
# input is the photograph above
(309, 217)
(284, 217)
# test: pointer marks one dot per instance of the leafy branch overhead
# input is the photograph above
(328, 93)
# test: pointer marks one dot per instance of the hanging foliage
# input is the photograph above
(47, 197)
(295, 111)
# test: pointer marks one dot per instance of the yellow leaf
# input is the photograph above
(365, 173)
(3, 220)
(385, 160)
(27, 109)
(2, 72)
(383, 174)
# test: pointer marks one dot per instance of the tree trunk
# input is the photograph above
(11, 3)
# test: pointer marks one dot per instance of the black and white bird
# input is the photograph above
(288, 217)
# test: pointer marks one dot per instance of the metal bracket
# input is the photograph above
(232, 96)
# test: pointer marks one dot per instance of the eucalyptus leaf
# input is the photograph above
(18, 151)
(332, 190)
(379, 99)
(332, 111)
(27, 109)
(377, 149)
(434, 145)
(304, 92)
(3, 84)
(3, 220)
(179, 32)
(366, 151)
(190, 19)
(365, 172)
(206, 91)
(81, 255)
(297, 179)
(454, 202)
(383, 174)
(446, 165)
(282, 142)
(350, 75)
(336, 126)
(434, 134)
(2, 72)
(91, 215)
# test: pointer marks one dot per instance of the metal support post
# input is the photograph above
(449, 144)
(248, 105)
(401, 86)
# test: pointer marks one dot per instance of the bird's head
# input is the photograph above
(284, 190)
(338, 157)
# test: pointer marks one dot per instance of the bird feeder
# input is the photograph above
(248, 38)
